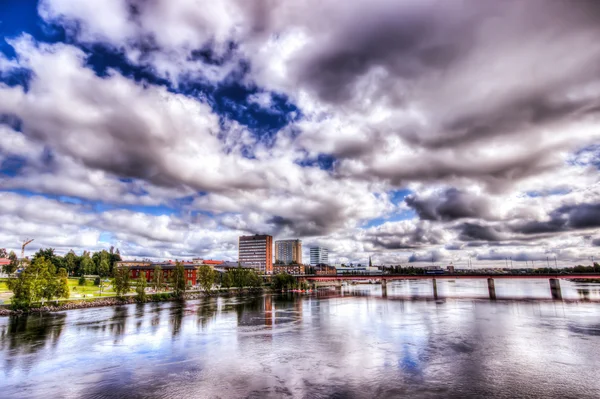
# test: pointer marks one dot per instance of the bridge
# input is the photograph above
(337, 280)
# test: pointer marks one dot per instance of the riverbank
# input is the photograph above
(114, 301)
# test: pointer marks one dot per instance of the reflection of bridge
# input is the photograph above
(337, 280)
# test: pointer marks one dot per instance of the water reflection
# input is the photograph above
(345, 342)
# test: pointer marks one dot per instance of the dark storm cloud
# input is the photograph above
(407, 41)
(596, 242)
(451, 204)
(433, 256)
(478, 232)
(421, 235)
(565, 218)
(515, 256)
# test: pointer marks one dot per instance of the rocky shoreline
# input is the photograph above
(102, 302)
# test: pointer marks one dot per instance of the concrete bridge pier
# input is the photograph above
(384, 288)
(435, 294)
(492, 288)
(555, 288)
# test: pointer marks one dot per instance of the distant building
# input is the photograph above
(288, 252)
(325, 270)
(289, 269)
(319, 256)
(257, 252)
(211, 262)
(146, 269)
(131, 263)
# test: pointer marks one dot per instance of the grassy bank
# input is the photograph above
(89, 302)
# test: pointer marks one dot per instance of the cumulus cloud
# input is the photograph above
(452, 101)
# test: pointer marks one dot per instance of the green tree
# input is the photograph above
(121, 281)
(206, 277)
(283, 281)
(62, 289)
(226, 280)
(104, 268)
(70, 262)
(48, 254)
(13, 265)
(157, 278)
(87, 265)
(3, 253)
(253, 279)
(114, 258)
(37, 282)
(178, 279)
(140, 288)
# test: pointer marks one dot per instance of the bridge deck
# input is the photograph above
(447, 276)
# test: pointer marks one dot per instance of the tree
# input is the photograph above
(49, 254)
(157, 278)
(87, 265)
(70, 262)
(226, 280)
(178, 279)
(62, 289)
(140, 288)
(37, 282)
(3, 253)
(253, 279)
(13, 265)
(104, 268)
(114, 258)
(121, 281)
(283, 281)
(206, 277)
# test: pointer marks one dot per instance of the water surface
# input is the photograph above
(349, 343)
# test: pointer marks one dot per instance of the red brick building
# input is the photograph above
(289, 269)
(137, 269)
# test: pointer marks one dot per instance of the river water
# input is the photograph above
(350, 343)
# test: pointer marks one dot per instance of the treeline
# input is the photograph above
(240, 278)
(411, 271)
(284, 281)
(97, 263)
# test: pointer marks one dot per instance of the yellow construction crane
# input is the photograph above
(27, 241)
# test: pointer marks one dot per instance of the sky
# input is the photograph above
(412, 131)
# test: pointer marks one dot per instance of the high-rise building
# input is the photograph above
(288, 252)
(319, 256)
(257, 251)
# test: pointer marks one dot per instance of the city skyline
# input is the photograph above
(419, 137)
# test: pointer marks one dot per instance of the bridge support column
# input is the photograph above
(384, 288)
(435, 294)
(492, 288)
(555, 288)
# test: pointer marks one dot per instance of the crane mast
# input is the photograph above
(27, 241)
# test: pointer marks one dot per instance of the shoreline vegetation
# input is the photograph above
(62, 305)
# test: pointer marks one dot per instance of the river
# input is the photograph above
(348, 343)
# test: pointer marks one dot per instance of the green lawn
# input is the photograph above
(87, 291)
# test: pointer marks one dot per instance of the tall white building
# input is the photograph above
(319, 256)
